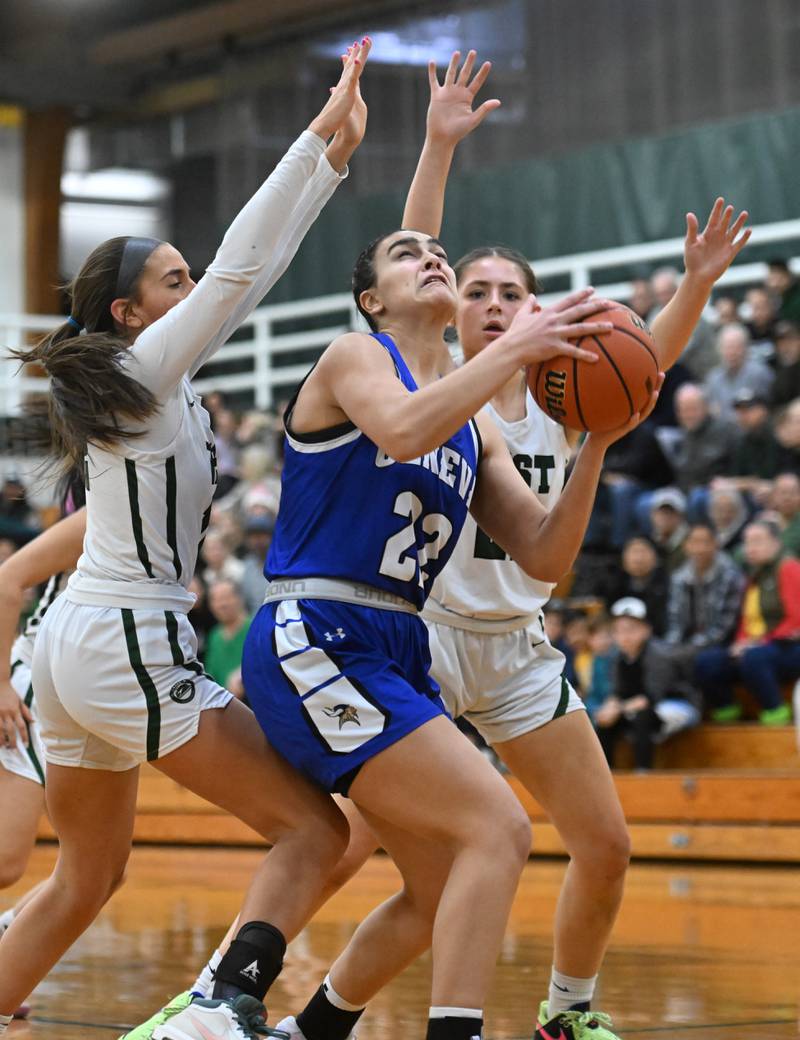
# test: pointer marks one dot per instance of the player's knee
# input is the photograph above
(509, 835)
(607, 855)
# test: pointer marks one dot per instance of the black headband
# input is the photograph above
(134, 257)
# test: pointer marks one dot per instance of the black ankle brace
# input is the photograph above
(252, 962)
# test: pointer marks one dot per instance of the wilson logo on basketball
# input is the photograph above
(182, 691)
(554, 384)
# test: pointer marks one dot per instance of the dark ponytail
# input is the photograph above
(91, 395)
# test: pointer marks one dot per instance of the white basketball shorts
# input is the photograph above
(505, 683)
(117, 687)
(27, 762)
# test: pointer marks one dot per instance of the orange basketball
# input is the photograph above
(605, 394)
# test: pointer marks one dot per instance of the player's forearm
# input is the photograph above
(424, 420)
(12, 599)
(674, 325)
(425, 202)
(552, 547)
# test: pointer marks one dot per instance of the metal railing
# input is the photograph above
(272, 359)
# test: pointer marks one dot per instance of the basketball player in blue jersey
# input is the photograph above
(114, 665)
(489, 652)
(383, 461)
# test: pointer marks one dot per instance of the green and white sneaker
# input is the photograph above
(146, 1029)
(573, 1025)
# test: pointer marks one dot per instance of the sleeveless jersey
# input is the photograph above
(350, 511)
(482, 583)
(146, 514)
(22, 650)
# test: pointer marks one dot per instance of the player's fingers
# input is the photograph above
(716, 212)
(692, 227)
(25, 712)
(740, 243)
(450, 75)
(570, 350)
(583, 310)
(433, 79)
(738, 224)
(480, 77)
(484, 110)
(584, 328)
(466, 69)
(725, 220)
(578, 296)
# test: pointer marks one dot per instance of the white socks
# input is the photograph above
(566, 991)
(204, 982)
(5, 1022)
(333, 997)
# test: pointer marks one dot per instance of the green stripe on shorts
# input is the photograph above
(175, 646)
(146, 683)
(37, 765)
(564, 699)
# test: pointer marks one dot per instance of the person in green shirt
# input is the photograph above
(786, 503)
(223, 658)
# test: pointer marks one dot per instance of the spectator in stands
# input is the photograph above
(705, 596)
(555, 615)
(766, 650)
(642, 577)
(726, 309)
(223, 657)
(787, 364)
(761, 323)
(18, 520)
(650, 699)
(601, 645)
(699, 355)
(255, 483)
(728, 513)
(576, 636)
(257, 538)
(219, 560)
(704, 450)
(736, 371)
(634, 464)
(641, 298)
(200, 615)
(668, 526)
(225, 423)
(757, 457)
(787, 430)
(783, 284)
(785, 501)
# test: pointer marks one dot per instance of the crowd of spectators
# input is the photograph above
(687, 590)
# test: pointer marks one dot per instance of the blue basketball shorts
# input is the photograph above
(332, 684)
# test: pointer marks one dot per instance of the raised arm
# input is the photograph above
(56, 549)
(257, 247)
(450, 118)
(707, 255)
(406, 425)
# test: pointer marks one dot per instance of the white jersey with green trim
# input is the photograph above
(148, 500)
(482, 588)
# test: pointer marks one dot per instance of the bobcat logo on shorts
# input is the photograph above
(182, 691)
(344, 713)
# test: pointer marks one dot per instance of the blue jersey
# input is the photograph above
(350, 511)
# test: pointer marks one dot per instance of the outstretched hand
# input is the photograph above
(450, 113)
(345, 110)
(708, 254)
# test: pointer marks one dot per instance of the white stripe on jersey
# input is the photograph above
(480, 581)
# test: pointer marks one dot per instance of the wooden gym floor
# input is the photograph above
(699, 951)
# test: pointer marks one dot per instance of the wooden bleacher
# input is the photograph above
(727, 793)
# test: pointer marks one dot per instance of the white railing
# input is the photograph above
(267, 352)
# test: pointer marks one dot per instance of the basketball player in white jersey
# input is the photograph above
(114, 665)
(48, 558)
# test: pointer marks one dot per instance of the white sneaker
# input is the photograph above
(243, 1018)
(294, 1032)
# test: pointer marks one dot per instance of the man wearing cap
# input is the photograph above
(257, 537)
(669, 527)
(787, 364)
(651, 699)
(757, 457)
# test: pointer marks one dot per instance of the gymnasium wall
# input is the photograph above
(12, 211)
